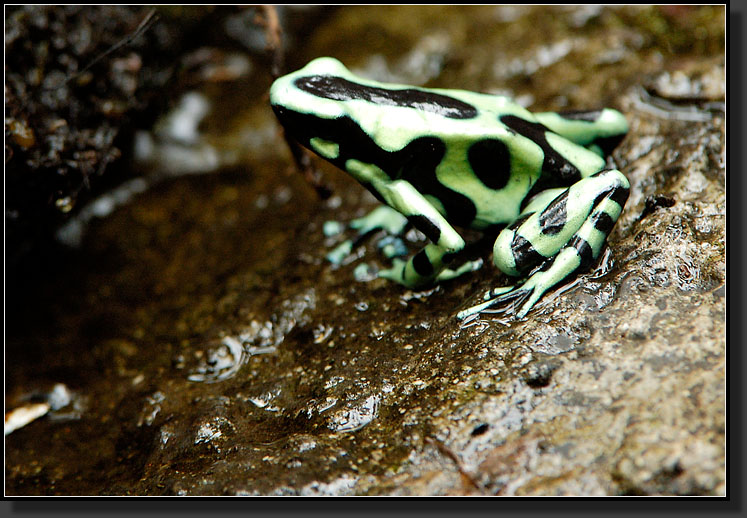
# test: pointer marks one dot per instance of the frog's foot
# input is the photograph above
(382, 217)
(428, 266)
(506, 298)
(526, 295)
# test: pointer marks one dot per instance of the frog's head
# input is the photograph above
(325, 101)
(310, 98)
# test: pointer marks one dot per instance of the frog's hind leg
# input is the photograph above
(555, 237)
(599, 131)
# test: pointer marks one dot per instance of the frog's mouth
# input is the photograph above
(304, 127)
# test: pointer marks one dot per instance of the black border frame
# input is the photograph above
(730, 505)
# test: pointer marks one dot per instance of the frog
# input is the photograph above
(440, 159)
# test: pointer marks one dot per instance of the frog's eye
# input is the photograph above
(299, 126)
(282, 113)
(320, 134)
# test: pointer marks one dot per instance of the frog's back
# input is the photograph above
(390, 113)
(449, 144)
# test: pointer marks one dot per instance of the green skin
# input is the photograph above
(439, 158)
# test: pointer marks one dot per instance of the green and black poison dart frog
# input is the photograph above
(443, 158)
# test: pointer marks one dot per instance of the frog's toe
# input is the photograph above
(529, 300)
(382, 217)
(509, 301)
(448, 274)
(504, 300)
(396, 273)
(494, 292)
(341, 252)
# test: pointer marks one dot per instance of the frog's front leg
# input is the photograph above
(430, 263)
(561, 232)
